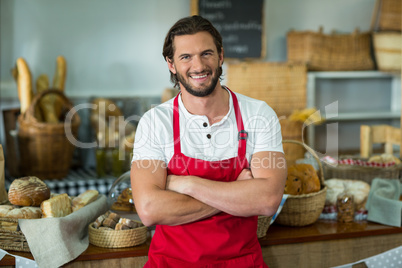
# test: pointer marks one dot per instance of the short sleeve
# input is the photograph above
(147, 144)
(264, 130)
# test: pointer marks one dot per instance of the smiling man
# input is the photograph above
(207, 162)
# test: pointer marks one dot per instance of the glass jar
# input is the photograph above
(346, 208)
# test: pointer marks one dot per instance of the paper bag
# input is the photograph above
(3, 192)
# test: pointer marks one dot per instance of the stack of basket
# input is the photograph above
(387, 37)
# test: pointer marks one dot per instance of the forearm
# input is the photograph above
(172, 208)
(157, 205)
(238, 198)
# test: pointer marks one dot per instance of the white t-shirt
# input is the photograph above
(199, 139)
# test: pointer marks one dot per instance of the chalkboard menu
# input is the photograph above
(240, 23)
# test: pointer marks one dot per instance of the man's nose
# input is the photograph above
(198, 64)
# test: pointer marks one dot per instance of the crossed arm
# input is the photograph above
(174, 200)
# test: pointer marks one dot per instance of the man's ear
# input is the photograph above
(171, 66)
(221, 57)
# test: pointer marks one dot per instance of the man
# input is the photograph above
(207, 162)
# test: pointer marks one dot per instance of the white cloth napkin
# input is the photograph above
(56, 241)
(383, 203)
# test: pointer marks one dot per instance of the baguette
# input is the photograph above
(57, 206)
(59, 78)
(84, 199)
(24, 84)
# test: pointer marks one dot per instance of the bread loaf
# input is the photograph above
(28, 191)
(57, 206)
(302, 179)
(15, 212)
(84, 199)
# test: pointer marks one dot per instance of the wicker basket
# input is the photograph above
(305, 209)
(117, 239)
(390, 15)
(45, 150)
(330, 52)
(263, 224)
(387, 50)
(362, 173)
(12, 240)
(280, 84)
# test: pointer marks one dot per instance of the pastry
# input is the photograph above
(28, 191)
(124, 201)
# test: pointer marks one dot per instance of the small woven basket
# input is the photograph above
(12, 240)
(45, 148)
(263, 225)
(117, 239)
(305, 209)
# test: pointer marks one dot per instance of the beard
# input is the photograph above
(206, 90)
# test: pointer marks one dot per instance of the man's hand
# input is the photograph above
(176, 183)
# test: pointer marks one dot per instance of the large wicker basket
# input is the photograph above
(117, 239)
(330, 52)
(305, 209)
(12, 240)
(45, 148)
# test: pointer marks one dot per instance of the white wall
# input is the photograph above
(113, 48)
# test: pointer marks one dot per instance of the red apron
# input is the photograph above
(222, 240)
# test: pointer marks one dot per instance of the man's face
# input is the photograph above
(196, 63)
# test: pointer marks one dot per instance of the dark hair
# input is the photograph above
(187, 26)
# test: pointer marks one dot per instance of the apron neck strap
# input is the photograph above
(242, 134)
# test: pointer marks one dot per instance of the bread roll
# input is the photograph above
(28, 191)
(15, 212)
(84, 199)
(57, 206)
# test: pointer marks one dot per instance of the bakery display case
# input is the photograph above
(120, 199)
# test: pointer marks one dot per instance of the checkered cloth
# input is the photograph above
(76, 182)
(357, 162)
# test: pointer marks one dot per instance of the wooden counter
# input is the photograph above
(323, 244)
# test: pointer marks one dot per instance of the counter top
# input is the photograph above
(276, 235)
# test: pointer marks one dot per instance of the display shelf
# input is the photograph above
(366, 85)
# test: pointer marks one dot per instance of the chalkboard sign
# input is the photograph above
(240, 23)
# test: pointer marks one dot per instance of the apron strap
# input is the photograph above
(242, 134)
(176, 126)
